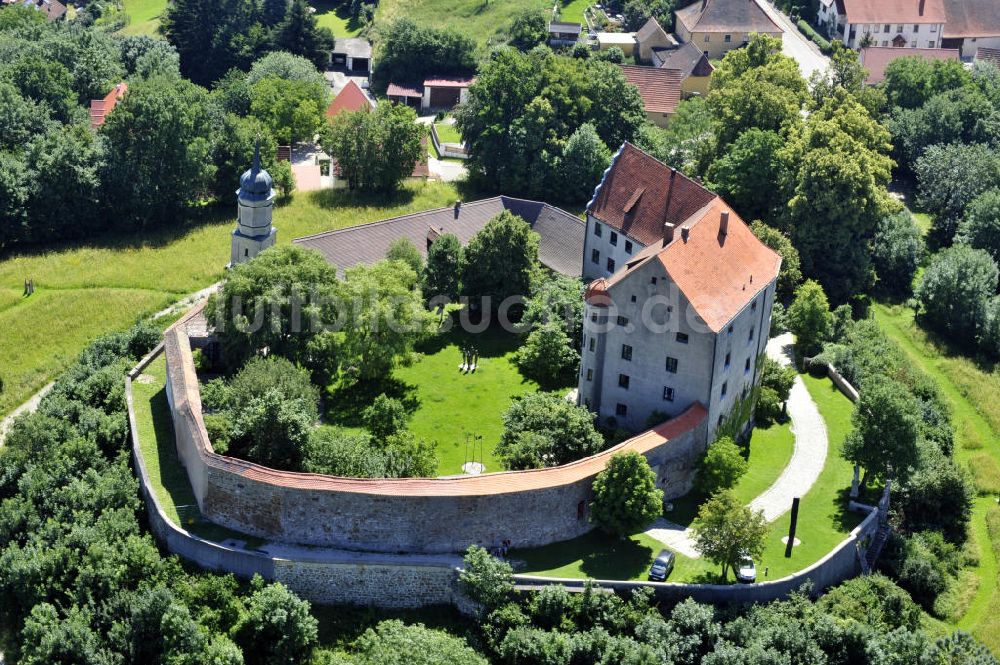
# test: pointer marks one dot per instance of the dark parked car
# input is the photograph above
(661, 568)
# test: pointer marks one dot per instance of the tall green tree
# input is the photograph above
(375, 151)
(980, 227)
(746, 175)
(626, 498)
(501, 259)
(897, 249)
(299, 34)
(213, 36)
(291, 110)
(911, 81)
(954, 292)
(885, 431)
(809, 317)
(408, 53)
(527, 30)
(584, 160)
(543, 429)
(443, 272)
(725, 530)
(791, 265)
(720, 468)
(950, 177)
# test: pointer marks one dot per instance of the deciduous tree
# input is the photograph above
(376, 150)
(725, 530)
(626, 497)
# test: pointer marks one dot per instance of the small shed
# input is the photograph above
(405, 93)
(353, 54)
(445, 93)
(623, 40)
(564, 34)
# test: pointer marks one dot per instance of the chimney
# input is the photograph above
(920, 9)
(668, 233)
(458, 206)
(685, 232)
(724, 223)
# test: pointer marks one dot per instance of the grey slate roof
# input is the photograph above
(687, 57)
(560, 247)
(356, 47)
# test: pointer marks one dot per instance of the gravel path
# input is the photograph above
(27, 407)
(808, 458)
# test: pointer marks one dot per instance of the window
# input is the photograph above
(885, 43)
(720, 421)
(930, 44)
(916, 28)
(652, 280)
(671, 365)
(668, 394)
(934, 29)
(682, 338)
(593, 343)
(593, 317)
(899, 28)
(595, 256)
(597, 229)
(621, 410)
(633, 298)
(623, 381)
(913, 44)
(708, 38)
(614, 238)
(729, 357)
(628, 246)
(610, 265)
(622, 321)
(746, 365)
(626, 352)
(750, 337)
(885, 28)
(246, 252)
(705, 53)
(753, 306)
(725, 388)
(727, 39)
(729, 331)
(590, 375)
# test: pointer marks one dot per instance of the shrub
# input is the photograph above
(272, 430)
(261, 375)
(809, 318)
(443, 272)
(923, 563)
(769, 406)
(626, 498)
(873, 600)
(395, 643)
(404, 250)
(720, 468)
(386, 416)
(955, 291)
(777, 377)
(486, 579)
(277, 626)
(568, 430)
(815, 37)
(936, 497)
(548, 356)
(219, 431)
(896, 251)
(980, 227)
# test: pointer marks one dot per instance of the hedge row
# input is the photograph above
(810, 32)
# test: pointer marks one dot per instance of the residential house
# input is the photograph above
(659, 88)
(885, 23)
(650, 37)
(691, 62)
(434, 94)
(718, 26)
(971, 25)
(876, 58)
(559, 248)
(623, 40)
(352, 54)
(53, 9)
(683, 319)
(100, 108)
(564, 34)
(350, 98)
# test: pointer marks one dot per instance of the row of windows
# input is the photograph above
(613, 238)
(899, 28)
(595, 257)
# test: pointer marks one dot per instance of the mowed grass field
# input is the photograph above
(144, 16)
(332, 14)
(479, 19)
(82, 292)
(571, 11)
(971, 390)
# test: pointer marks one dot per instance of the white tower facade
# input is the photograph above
(255, 200)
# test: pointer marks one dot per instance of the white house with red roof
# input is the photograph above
(679, 309)
(884, 23)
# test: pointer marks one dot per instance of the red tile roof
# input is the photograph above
(397, 90)
(100, 108)
(659, 88)
(971, 18)
(894, 11)
(726, 16)
(876, 58)
(351, 98)
(456, 82)
(639, 194)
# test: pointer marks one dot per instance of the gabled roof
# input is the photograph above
(971, 18)
(560, 246)
(639, 194)
(350, 98)
(892, 11)
(688, 58)
(718, 273)
(100, 108)
(403, 90)
(876, 58)
(649, 30)
(558, 27)
(659, 88)
(726, 16)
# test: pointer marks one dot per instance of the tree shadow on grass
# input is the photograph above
(343, 198)
(843, 519)
(617, 559)
(345, 404)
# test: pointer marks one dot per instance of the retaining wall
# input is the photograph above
(455, 150)
(416, 515)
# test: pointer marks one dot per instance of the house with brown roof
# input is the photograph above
(884, 23)
(691, 62)
(679, 306)
(716, 27)
(652, 36)
(875, 59)
(100, 108)
(53, 9)
(350, 98)
(971, 25)
(659, 88)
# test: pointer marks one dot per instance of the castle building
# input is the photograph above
(679, 306)
(255, 201)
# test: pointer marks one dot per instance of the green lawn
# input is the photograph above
(770, 450)
(108, 284)
(334, 15)
(479, 19)
(166, 474)
(971, 391)
(144, 16)
(447, 406)
(447, 132)
(572, 11)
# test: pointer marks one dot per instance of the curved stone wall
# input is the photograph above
(424, 515)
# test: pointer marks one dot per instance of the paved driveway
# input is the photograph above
(795, 44)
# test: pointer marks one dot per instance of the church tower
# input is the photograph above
(255, 200)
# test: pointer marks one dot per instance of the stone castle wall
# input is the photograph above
(432, 515)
